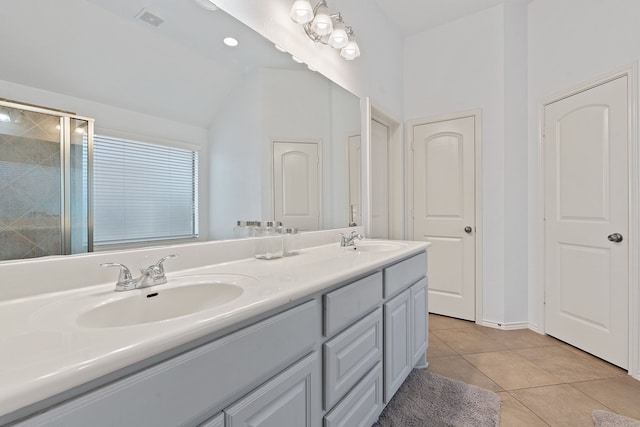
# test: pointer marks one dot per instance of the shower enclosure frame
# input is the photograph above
(66, 118)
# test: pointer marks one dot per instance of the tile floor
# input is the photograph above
(542, 381)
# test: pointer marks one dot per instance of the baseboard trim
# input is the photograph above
(505, 326)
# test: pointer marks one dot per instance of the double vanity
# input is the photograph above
(325, 337)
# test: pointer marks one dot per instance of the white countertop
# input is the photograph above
(44, 352)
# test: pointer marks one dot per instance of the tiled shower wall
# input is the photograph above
(30, 195)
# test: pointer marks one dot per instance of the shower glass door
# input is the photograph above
(79, 237)
(44, 199)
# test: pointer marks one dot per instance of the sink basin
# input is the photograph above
(158, 303)
(377, 246)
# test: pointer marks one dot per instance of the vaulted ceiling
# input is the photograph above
(98, 50)
(414, 16)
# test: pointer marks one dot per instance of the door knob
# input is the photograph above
(615, 237)
(468, 229)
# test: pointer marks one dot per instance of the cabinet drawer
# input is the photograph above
(404, 273)
(350, 355)
(290, 399)
(362, 406)
(188, 388)
(343, 306)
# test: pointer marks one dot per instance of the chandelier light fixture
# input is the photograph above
(325, 27)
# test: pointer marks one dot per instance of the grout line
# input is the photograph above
(528, 408)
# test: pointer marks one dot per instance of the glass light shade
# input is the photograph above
(322, 24)
(351, 50)
(338, 38)
(301, 12)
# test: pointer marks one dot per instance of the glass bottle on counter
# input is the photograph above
(291, 241)
(242, 229)
(269, 244)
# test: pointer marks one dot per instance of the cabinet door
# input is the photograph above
(419, 331)
(292, 398)
(397, 343)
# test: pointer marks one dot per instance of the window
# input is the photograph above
(143, 191)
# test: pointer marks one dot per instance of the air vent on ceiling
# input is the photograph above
(149, 17)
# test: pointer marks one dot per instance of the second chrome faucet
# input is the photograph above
(150, 276)
(346, 241)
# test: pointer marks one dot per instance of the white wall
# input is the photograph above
(345, 122)
(515, 163)
(456, 67)
(480, 62)
(235, 160)
(571, 42)
(376, 74)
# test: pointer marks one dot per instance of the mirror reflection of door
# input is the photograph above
(296, 184)
(355, 155)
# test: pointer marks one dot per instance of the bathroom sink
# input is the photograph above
(164, 302)
(377, 246)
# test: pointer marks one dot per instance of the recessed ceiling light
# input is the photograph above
(280, 48)
(311, 68)
(230, 41)
(206, 4)
(299, 61)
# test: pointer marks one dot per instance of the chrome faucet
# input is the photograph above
(150, 276)
(346, 241)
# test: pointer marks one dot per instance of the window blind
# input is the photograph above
(143, 191)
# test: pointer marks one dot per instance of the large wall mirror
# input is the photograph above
(158, 71)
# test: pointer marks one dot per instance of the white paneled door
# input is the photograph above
(296, 184)
(586, 220)
(444, 211)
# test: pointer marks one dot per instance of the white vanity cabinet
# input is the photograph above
(334, 358)
(397, 345)
(362, 406)
(365, 364)
(352, 358)
(405, 321)
(419, 323)
(188, 388)
(290, 399)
